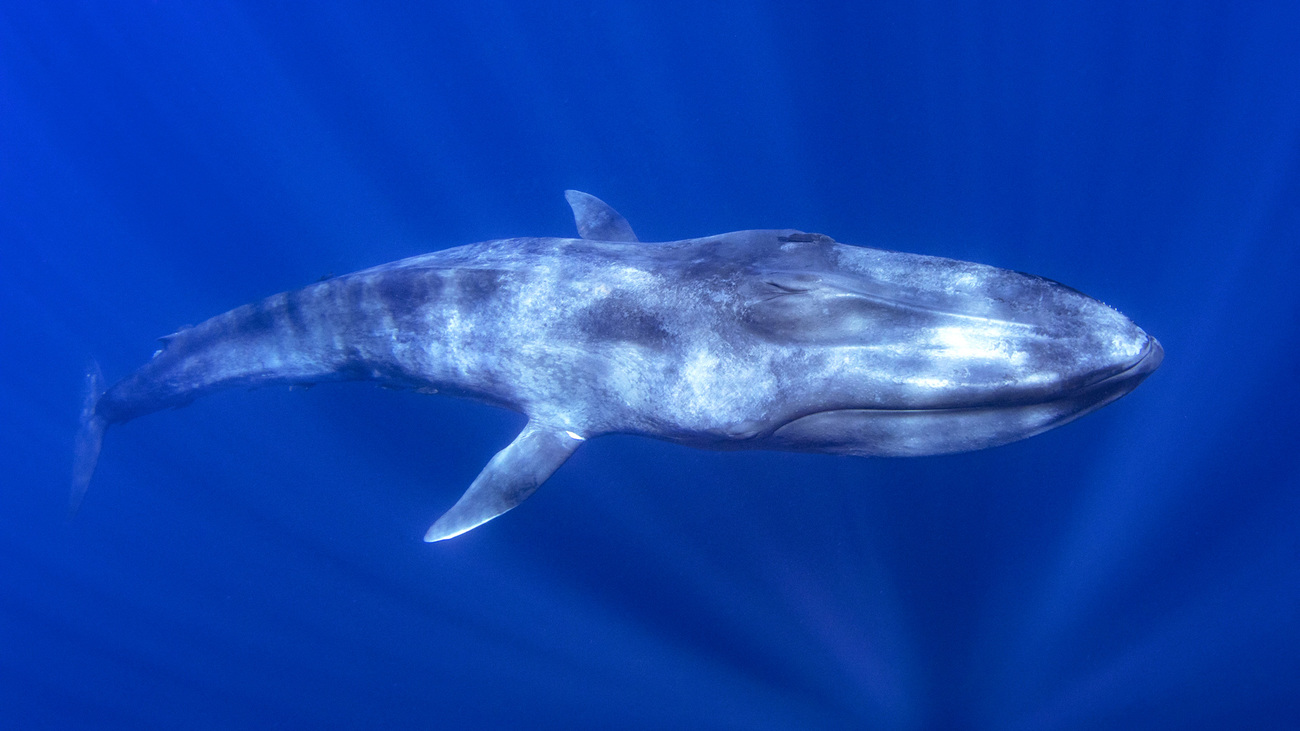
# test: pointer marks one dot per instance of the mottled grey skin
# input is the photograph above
(747, 340)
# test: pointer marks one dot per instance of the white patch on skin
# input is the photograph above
(539, 296)
(636, 278)
(965, 281)
(714, 390)
(456, 348)
(700, 373)
(935, 383)
(974, 343)
(1127, 347)
(1038, 377)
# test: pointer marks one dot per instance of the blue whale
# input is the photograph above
(765, 339)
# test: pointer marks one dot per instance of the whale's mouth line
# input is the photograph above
(1147, 361)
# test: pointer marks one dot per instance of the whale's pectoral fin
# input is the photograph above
(90, 437)
(596, 219)
(512, 475)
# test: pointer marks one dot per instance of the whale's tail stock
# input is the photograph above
(90, 436)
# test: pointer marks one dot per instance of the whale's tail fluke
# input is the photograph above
(90, 436)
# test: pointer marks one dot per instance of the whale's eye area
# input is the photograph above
(804, 308)
(780, 283)
(778, 289)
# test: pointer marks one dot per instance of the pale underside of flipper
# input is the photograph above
(90, 437)
(596, 220)
(508, 479)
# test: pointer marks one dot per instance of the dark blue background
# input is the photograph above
(255, 561)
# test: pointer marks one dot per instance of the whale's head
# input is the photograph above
(916, 355)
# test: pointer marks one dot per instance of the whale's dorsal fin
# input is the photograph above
(512, 475)
(596, 220)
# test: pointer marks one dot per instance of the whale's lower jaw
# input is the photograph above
(921, 432)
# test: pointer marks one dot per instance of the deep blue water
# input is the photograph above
(255, 560)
